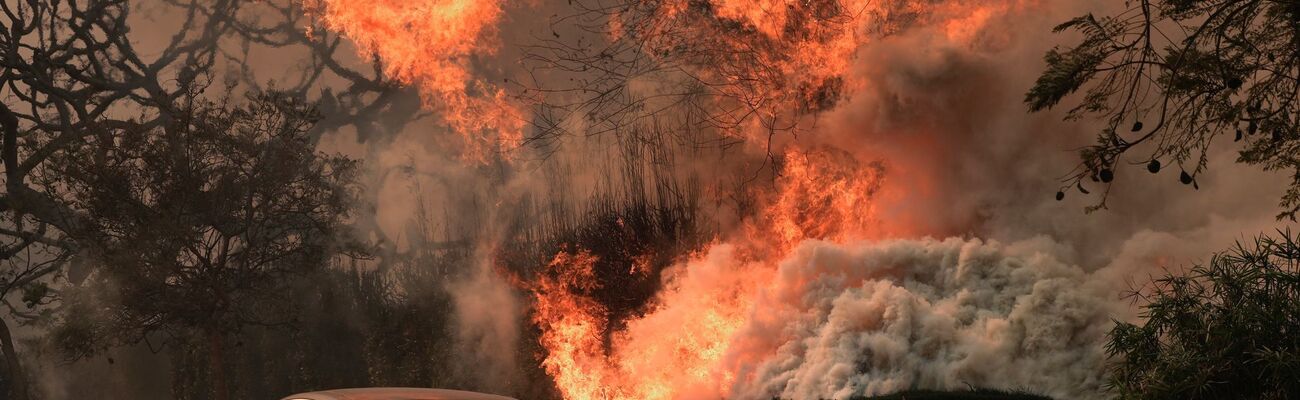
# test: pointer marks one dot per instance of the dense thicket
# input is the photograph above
(1223, 329)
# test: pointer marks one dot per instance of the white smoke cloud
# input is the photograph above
(876, 318)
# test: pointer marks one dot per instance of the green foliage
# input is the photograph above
(1069, 69)
(1226, 329)
(1192, 71)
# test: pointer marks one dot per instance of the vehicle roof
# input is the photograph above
(394, 394)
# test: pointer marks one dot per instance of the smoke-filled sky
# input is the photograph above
(940, 101)
(909, 236)
(961, 269)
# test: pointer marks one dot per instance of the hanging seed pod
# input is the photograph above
(1137, 126)
(1106, 175)
(1252, 127)
(1081, 189)
(1185, 178)
(1060, 196)
(1233, 83)
(1238, 138)
(1153, 166)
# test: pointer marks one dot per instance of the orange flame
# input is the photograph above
(678, 349)
(572, 327)
(671, 352)
(766, 63)
(429, 43)
(821, 194)
(775, 56)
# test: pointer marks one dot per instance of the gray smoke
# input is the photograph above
(876, 318)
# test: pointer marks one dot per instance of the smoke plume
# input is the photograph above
(876, 318)
(904, 236)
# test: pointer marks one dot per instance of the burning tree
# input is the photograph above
(1171, 76)
(739, 70)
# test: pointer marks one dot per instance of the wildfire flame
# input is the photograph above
(687, 344)
(646, 360)
(429, 43)
(573, 326)
(821, 194)
(679, 348)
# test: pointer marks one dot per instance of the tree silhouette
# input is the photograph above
(1171, 76)
(200, 224)
(70, 76)
(1225, 329)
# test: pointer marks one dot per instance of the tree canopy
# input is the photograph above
(1224, 329)
(74, 82)
(1170, 77)
(199, 225)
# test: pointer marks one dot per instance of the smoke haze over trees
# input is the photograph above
(1169, 77)
(614, 199)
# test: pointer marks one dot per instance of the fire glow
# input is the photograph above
(429, 43)
(683, 347)
(709, 332)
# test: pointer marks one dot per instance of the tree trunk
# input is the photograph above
(216, 365)
(17, 380)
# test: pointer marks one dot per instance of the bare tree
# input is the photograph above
(1171, 76)
(674, 69)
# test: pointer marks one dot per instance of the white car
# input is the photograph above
(394, 394)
